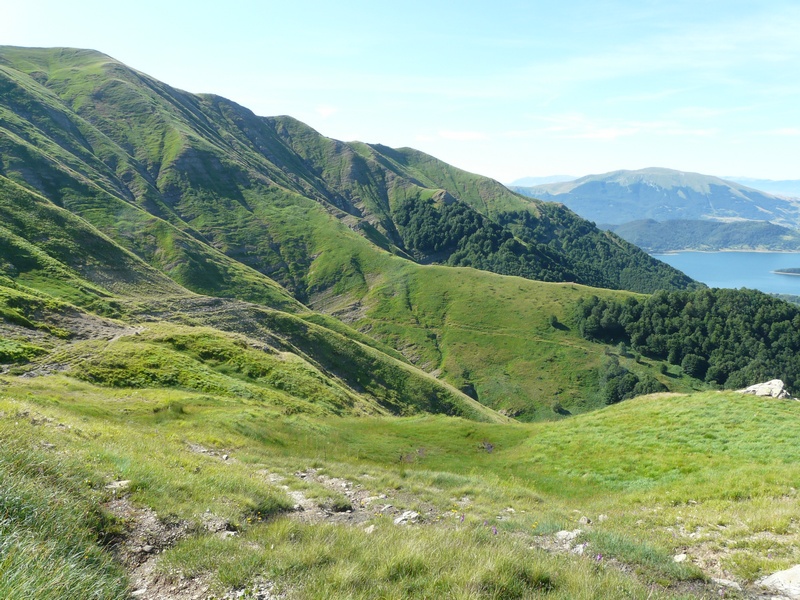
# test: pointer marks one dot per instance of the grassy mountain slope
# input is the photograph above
(53, 308)
(438, 213)
(710, 475)
(664, 194)
(225, 203)
(679, 234)
(247, 185)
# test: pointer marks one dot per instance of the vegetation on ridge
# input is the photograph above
(727, 337)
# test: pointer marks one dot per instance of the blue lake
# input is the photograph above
(739, 269)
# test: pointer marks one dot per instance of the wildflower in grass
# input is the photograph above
(461, 519)
(494, 530)
(599, 557)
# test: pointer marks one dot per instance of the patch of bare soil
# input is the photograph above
(145, 537)
(362, 505)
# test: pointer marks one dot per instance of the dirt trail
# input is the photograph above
(362, 504)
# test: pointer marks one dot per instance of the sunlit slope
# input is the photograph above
(508, 341)
(712, 476)
(250, 186)
(67, 291)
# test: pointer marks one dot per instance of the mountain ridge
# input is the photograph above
(665, 194)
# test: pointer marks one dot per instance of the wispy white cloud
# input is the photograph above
(452, 135)
(580, 126)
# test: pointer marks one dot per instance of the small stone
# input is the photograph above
(369, 529)
(387, 507)
(408, 516)
(119, 485)
(602, 518)
(727, 583)
(679, 558)
(139, 592)
(579, 549)
(224, 457)
(147, 549)
(584, 521)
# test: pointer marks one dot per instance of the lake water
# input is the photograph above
(739, 269)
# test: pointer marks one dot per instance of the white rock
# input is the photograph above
(579, 549)
(118, 485)
(679, 558)
(408, 516)
(568, 536)
(602, 518)
(784, 582)
(770, 389)
(727, 583)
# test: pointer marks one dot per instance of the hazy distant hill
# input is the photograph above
(664, 194)
(680, 234)
(531, 181)
(786, 187)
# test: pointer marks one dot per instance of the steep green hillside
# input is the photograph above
(119, 190)
(680, 234)
(664, 194)
(103, 140)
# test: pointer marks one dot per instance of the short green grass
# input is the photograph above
(710, 475)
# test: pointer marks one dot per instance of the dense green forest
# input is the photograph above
(462, 237)
(727, 337)
(550, 246)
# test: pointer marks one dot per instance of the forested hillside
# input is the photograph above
(680, 234)
(728, 337)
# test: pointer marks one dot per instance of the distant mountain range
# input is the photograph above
(664, 194)
(704, 212)
(531, 181)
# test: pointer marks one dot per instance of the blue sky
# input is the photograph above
(502, 88)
